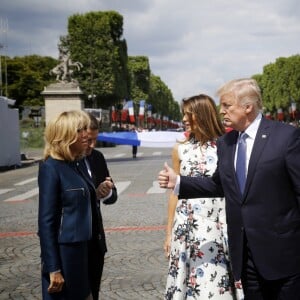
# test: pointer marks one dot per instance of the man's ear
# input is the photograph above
(248, 108)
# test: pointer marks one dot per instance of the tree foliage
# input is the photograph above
(280, 83)
(139, 70)
(95, 40)
(26, 78)
(161, 98)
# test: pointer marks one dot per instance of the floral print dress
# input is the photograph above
(199, 266)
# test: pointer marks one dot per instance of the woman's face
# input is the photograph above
(186, 122)
(80, 146)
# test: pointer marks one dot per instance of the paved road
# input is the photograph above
(135, 266)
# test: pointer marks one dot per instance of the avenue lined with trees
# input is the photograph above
(109, 75)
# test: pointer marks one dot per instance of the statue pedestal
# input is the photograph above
(60, 97)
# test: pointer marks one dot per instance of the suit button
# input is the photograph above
(242, 228)
(99, 237)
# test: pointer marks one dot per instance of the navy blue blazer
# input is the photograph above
(268, 212)
(65, 214)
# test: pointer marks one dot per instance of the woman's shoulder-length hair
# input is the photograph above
(62, 131)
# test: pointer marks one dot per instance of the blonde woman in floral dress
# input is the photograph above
(196, 242)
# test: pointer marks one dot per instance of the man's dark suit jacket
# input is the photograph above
(99, 172)
(268, 212)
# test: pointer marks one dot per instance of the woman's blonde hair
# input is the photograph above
(62, 131)
(203, 117)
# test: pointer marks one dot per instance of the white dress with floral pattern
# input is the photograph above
(199, 266)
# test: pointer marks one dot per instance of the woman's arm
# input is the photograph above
(49, 217)
(171, 204)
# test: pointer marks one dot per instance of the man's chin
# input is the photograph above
(88, 152)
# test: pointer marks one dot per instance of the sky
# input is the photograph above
(194, 46)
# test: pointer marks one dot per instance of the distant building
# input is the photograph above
(9, 134)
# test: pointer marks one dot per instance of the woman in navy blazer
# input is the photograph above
(264, 219)
(67, 218)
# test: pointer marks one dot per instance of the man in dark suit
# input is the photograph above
(263, 213)
(96, 167)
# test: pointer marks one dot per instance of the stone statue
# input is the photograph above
(65, 68)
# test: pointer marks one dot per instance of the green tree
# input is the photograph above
(27, 76)
(161, 98)
(139, 70)
(280, 83)
(95, 40)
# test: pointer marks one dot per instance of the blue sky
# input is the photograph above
(193, 45)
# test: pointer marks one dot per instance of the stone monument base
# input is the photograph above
(60, 97)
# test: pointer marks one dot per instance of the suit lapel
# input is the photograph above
(261, 139)
(232, 151)
(228, 159)
(233, 145)
(92, 169)
(84, 172)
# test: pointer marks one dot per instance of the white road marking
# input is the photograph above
(26, 181)
(155, 189)
(157, 153)
(119, 155)
(24, 196)
(122, 186)
(3, 191)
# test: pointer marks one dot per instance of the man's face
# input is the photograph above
(92, 139)
(234, 115)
